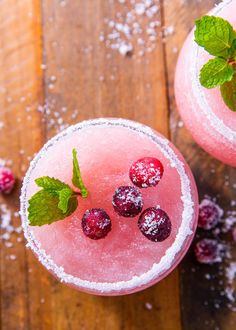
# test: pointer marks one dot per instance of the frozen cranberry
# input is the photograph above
(209, 214)
(208, 251)
(127, 201)
(96, 223)
(7, 180)
(155, 224)
(146, 172)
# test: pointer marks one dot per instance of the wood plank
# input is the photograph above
(21, 136)
(100, 82)
(93, 79)
(81, 77)
(210, 175)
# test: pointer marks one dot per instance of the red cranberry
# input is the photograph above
(209, 214)
(155, 224)
(96, 223)
(146, 172)
(127, 201)
(208, 251)
(7, 180)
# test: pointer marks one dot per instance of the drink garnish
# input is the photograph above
(155, 224)
(96, 223)
(218, 38)
(146, 172)
(56, 200)
(127, 201)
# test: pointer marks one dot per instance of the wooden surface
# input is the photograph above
(51, 60)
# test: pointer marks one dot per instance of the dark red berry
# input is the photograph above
(146, 172)
(96, 223)
(208, 251)
(209, 214)
(155, 224)
(7, 180)
(127, 201)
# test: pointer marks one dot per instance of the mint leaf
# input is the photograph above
(51, 185)
(216, 35)
(56, 200)
(64, 197)
(228, 92)
(233, 50)
(216, 72)
(77, 179)
(43, 208)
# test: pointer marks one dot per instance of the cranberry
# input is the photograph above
(209, 214)
(146, 172)
(155, 224)
(208, 251)
(127, 201)
(7, 180)
(96, 223)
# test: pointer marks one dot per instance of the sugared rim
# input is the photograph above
(166, 261)
(213, 119)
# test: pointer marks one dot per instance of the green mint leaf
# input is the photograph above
(77, 179)
(228, 92)
(56, 200)
(216, 72)
(51, 185)
(64, 197)
(215, 35)
(43, 208)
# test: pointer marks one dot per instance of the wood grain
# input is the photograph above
(51, 60)
(128, 89)
(21, 86)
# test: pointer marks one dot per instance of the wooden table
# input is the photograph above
(50, 54)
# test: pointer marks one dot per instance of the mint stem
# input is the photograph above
(77, 178)
(232, 61)
(76, 193)
(84, 191)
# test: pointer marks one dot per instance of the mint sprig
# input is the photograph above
(56, 200)
(218, 38)
(77, 179)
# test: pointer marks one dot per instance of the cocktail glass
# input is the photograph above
(124, 261)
